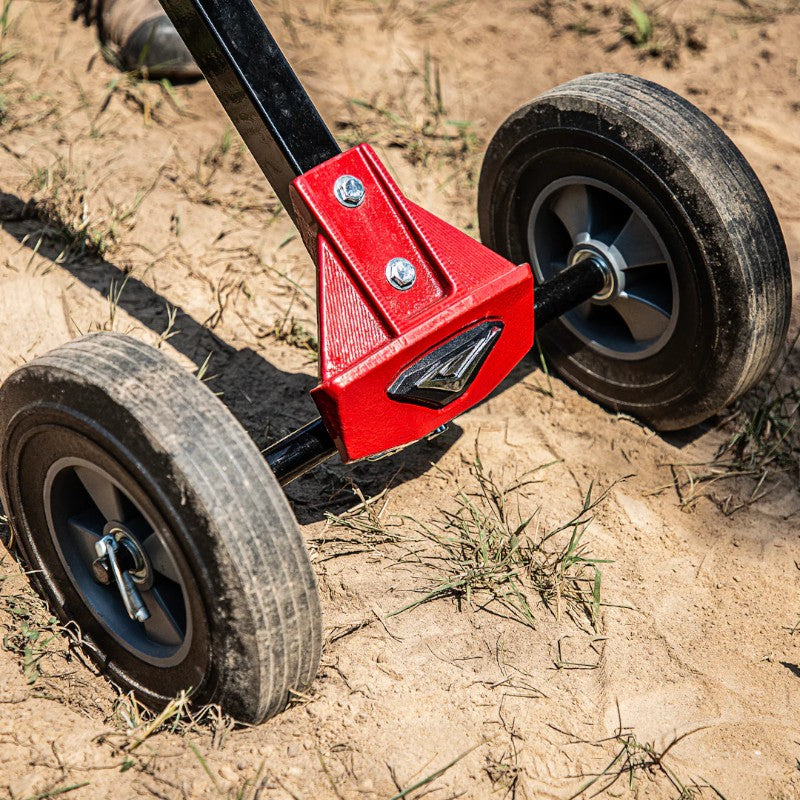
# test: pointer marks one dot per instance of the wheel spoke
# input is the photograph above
(103, 492)
(86, 530)
(573, 207)
(652, 284)
(160, 558)
(644, 319)
(161, 626)
(637, 245)
(583, 310)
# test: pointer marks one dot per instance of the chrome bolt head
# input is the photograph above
(401, 273)
(349, 191)
(101, 570)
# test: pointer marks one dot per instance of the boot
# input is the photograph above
(147, 41)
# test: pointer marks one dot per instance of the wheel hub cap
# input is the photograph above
(118, 561)
(635, 313)
(132, 556)
(615, 278)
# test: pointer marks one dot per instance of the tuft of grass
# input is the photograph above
(417, 123)
(762, 446)
(414, 790)
(135, 91)
(634, 760)
(360, 529)
(422, 137)
(656, 37)
(765, 432)
(33, 637)
(170, 330)
(504, 771)
(45, 649)
(640, 30)
(202, 371)
(486, 552)
(61, 201)
(115, 292)
(33, 634)
(53, 657)
(135, 724)
(138, 732)
(228, 152)
(292, 332)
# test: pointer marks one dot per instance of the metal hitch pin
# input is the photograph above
(134, 605)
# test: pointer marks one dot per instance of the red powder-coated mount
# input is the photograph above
(370, 332)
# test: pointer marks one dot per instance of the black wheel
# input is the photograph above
(147, 515)
(625, 170)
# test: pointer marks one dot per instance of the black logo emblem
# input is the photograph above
(446, 372)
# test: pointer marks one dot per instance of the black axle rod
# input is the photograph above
(569, 289)
(300, 451)
(308, 447)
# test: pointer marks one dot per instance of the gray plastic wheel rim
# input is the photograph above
(594, 216)
(161, 641)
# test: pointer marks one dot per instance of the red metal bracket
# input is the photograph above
(370, 332)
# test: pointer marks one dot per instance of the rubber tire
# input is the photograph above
(719, 227)
(227, 516)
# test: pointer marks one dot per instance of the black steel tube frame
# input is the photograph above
(256, 86)
(286, 135)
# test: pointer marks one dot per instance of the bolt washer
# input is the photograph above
(349, 191)
(401, 274)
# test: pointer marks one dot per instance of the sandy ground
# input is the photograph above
(696, 641)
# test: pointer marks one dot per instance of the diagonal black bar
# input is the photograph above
(256, 86)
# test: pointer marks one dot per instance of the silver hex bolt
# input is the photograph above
(401, 273)
(349, 191)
